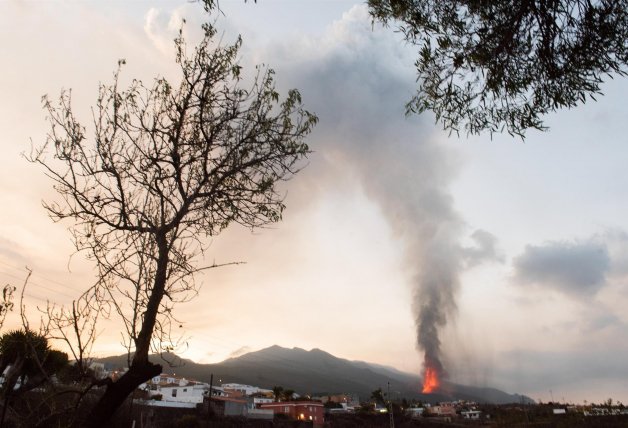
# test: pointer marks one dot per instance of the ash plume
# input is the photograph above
(400, 162)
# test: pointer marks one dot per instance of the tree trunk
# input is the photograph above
(118, 391)
(141, 369)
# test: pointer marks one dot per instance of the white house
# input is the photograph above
(244, 389)
(166, 379)
(471, 414)
(183, 394)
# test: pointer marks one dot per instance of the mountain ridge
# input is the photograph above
(317, 372)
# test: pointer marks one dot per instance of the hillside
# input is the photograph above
(317, 372)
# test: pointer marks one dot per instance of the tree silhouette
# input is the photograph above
(288, 394)
(378, 396)
(168, 165)
(277, 392)
(502, 65)
(27, 362)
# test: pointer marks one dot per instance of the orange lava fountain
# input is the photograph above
(430, 380)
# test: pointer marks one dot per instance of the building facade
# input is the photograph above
(313, 411)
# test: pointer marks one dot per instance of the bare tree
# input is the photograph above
(76, 328)
(6, 302)
(168, 165)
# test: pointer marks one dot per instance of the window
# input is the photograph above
(174, 392)
(185, 390)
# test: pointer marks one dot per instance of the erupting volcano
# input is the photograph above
(431, 382)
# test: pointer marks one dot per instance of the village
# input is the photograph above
(172, 400)
(234, 400)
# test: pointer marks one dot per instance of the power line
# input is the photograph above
(37, 284)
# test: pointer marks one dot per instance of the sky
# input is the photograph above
(533, 234)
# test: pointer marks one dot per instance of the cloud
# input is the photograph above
(577, 269)
(485, 249)
(240, 351)
(12, 251)
(162, 27)
(565, 371)
(603, 321)
(616, 242)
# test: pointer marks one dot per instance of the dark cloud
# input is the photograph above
(573, 268)
(536, 372)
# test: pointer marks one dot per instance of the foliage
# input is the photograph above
(277, 392)
(168, 165)
(29, 358)
(488, 65)
(378, 396)
(210, 5)
(23, 352)
(26, 362)
(288, 394)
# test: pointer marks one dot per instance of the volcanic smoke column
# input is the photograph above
(409, 179)
(438, 258)
(402, 164)
(413, 192)
(434, 301)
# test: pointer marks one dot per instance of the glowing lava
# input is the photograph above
(430, 380)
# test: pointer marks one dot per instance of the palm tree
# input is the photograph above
(26, 356)
(23, 352)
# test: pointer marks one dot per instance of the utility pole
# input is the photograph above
(209, 402)
(211, 385)
(392, 418)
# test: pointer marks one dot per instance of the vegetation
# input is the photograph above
(170, 164)
(167, 166)
(488, 65)
(378, 396)
(26, 362)
(277, 392)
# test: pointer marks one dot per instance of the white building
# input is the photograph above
(166, 379)
(245, 389)
(471, 414)
(183, 394)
